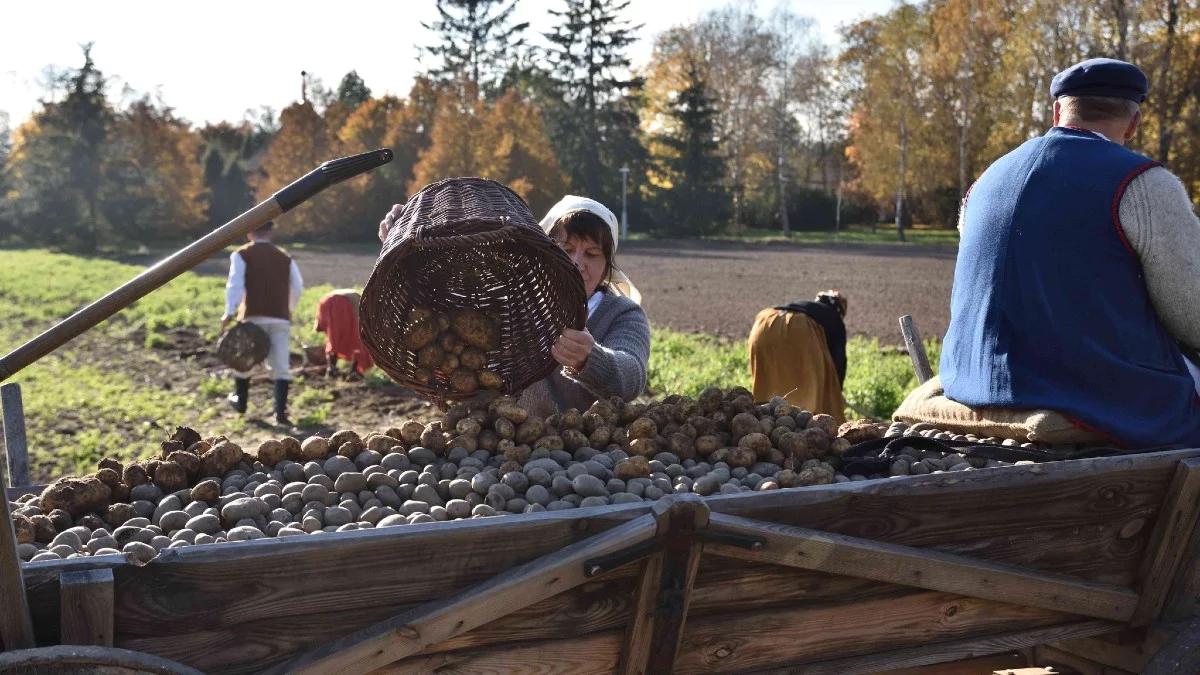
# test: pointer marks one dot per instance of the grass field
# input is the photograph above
(856, 234)
(117, 389)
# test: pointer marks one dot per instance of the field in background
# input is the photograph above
(120, 388)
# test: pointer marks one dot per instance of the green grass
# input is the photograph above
(877, 377)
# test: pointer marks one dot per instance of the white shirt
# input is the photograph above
(594, 302)
(235, 288)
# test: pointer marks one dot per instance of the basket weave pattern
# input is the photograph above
(471, 243)
(243, 346)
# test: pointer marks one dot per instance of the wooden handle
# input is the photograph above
(916, 349)
(329, 173)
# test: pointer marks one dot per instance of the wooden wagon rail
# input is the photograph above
(852, 577)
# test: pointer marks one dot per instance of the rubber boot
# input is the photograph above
(331, 365)
(281, 396)
(241, 394)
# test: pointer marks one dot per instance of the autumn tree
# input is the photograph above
(304, 141)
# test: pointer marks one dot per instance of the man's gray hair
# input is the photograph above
(1098, 108)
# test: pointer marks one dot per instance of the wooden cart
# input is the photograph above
(1096, 563)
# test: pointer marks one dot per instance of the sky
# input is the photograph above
(212, 61)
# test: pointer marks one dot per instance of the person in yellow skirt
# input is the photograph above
(798, 351)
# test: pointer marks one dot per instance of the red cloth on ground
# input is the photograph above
(337, 317)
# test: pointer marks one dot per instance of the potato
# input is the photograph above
(505, 428)
(530, 430)
(134, 475)
(189, 462)
(838, 446)
(644, 447)
(450, 343)
(473, 358)
(410, 432)
(619, 437)
(43, 528)
(76, 496)
(859, 431)
(111, 463)
(631, 411)
(759, 444)
(464, 441)
(462, 380)
(742, 424)
(817, 440)
(314, 447)
(681, 446)
(475, 329)
(26, 532)
(487, 440)
(633, 467)
(824, 422)
(449, 363)
(430, 356)
(199, 448)
(432, 437)
(108, 477)
(422, 375)
(794, 445)
(512, 412)
(270, 452)
(167, 447)
(382, 443)
(787, 478)
(709, 400)
(443, 321)
(208, 491)
(344, 436)
(417, 334)
(721, 455)
(291, 447)
(490, 380)
(744, 457)
(606, 410)
(221, 458)
(707, 445)
(573, 439)
(170, 476)
(549, 443)
(118, 514)
(643, 427)
(518, 453)
(186, 436)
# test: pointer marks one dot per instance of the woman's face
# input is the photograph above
(588, 256)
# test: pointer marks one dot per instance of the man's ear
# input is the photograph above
(1133, 125)
(1057, 112)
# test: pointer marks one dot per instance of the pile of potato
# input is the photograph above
(455, 344)
(479, 460)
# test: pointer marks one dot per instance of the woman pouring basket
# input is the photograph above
(607, 356)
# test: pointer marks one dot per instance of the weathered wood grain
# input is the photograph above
(16, 625)
(954, 650)
(86, 599)
(1174, 529)
(923, 568)
(15, 446)
(592, 654)
(810, 634)
(635, 654)
(1058, 660)
(420, 628)
(1132, 658)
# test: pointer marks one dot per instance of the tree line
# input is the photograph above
(739, 120)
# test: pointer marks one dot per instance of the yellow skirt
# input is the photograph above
(789, 357)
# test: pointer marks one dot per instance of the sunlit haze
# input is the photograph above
(214, 60)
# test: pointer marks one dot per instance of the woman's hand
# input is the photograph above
(388, 221)
(573, 348)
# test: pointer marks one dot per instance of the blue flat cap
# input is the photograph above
(1101, 77)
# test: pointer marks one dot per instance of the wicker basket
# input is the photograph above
(243, 346)
(471, 243)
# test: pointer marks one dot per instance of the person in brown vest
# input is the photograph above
(263, 288)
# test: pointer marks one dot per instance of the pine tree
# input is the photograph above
(477, 42)
(594, 124)
(353, 90)
(692, 199)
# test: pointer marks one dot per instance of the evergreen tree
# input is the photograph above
(477, 42)
(56, 169)
(594, 121)
(353, 91)
(693, 199)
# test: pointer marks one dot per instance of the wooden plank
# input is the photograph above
(923, 568)
(15, 446)
(635, 654)
(1058, 659)
(1173, 530)
(811, 634)
(14, 491)
(410, 632)
(1132, 658)
(916, 349)
(87, 607)
(1183, 599)
(16, 624)
(239, 582)
(682, 515)
(595, 654)
(954, 650)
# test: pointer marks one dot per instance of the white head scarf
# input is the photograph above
(571, 203)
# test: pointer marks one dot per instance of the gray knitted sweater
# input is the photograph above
(616, 366)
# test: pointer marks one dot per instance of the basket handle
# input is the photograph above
(504, 233)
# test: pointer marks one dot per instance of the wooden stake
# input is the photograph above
(16, 624)
(916, 348)
(14, 435)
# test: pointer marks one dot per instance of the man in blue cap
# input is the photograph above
(1078, 272)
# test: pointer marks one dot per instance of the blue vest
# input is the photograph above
(1049, 309)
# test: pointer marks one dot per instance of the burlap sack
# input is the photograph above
(928, 403)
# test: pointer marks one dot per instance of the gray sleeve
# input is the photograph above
(618, 366)
(1161, 226)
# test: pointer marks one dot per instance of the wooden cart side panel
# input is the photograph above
(595, 654)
